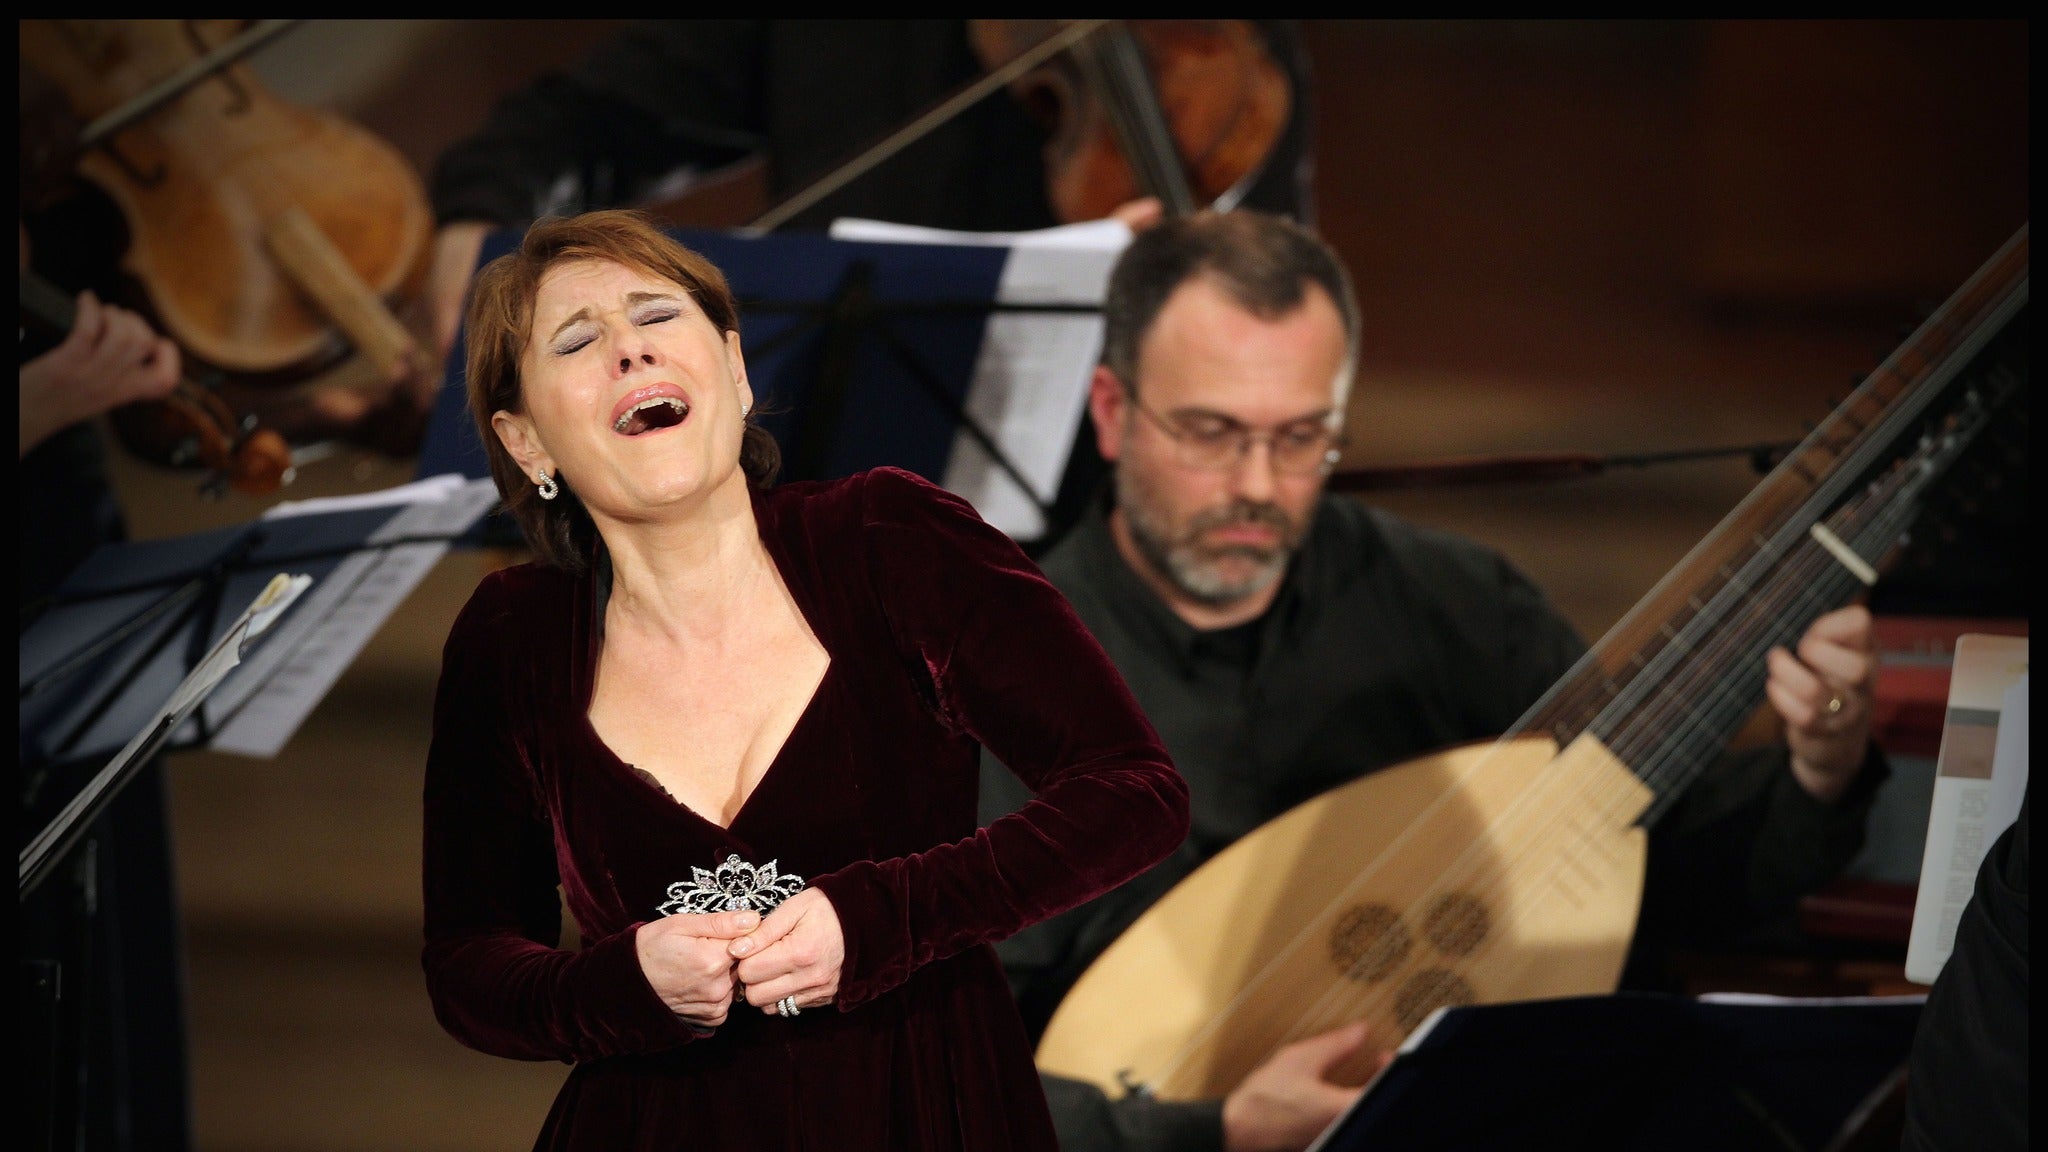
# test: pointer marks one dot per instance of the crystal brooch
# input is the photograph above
(732, 886)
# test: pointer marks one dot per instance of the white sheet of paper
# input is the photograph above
(2009, 759)
(1980, 776)
(430, 488)
(1089, 235)
(271, 697)
(1030, 382)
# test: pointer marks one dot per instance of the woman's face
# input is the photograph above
(631, 392)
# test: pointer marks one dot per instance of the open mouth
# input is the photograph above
(652, 415)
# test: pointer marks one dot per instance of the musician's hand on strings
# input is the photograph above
(1824, 695)
(1285, 1103)
(111, 357)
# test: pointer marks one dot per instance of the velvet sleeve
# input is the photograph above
(1003, 660)
(496, 976)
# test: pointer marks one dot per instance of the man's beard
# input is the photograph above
(1191, 566)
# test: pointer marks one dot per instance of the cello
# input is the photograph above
(271, 243)
(1190, 112)
(1185, 111)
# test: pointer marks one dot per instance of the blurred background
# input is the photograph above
(1604, 237)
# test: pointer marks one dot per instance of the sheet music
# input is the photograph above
(1980, 778)
(1030, 382)
(431, 488)
(257, 714)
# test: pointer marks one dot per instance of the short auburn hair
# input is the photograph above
(500, 321)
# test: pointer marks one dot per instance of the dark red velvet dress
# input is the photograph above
(942, 636)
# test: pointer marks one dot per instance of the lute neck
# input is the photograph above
(1669, 685)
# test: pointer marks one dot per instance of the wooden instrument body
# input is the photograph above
(1222, 100)
(1490, 872)
(270, 240)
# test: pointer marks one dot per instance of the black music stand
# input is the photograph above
(125, 630)
(860, 352)
(239, 638)
(1637, 1072)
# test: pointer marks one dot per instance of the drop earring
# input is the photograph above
(548, 488)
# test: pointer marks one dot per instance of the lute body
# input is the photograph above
(1411, 888)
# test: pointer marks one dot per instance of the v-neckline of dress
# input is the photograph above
(768, 774)
(596, 602)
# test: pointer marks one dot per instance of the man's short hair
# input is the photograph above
(1262, 261)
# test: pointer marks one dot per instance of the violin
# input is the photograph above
(272, 243)
(1188, 111)
(192, 427)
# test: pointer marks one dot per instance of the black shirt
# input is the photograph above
(1386, 641)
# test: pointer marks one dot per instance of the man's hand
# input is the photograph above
(685, 959)
(1824, 695)
(796, 952)
(1287, 1102)
(1139, 214)
(111, 357)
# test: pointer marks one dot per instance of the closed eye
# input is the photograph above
(579, 338)
(1209, 430)
(1305, 435)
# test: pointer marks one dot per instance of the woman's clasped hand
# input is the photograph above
(688, 961)
(796, 952)
(701, 964)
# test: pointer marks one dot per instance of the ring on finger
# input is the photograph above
(786, 1007)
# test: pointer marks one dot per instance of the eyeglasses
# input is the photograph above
(1219, 444)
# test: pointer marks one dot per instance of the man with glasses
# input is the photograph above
(1285, 642)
